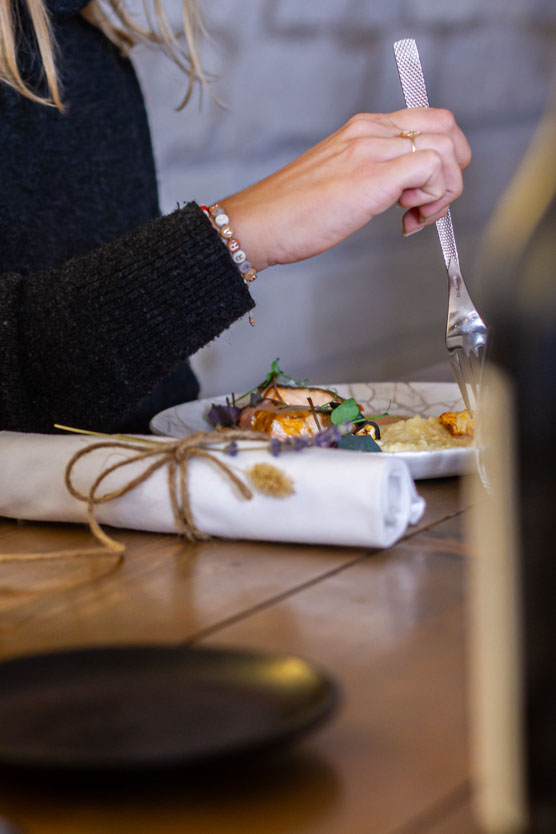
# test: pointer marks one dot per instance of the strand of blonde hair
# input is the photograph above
(112, 18)
(9, 70)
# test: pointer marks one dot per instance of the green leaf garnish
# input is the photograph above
(371, 418)
(346, 412)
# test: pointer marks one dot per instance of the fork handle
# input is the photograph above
(415, 95)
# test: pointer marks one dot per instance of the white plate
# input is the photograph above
(423, 398)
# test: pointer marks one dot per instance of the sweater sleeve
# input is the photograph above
(83, 343)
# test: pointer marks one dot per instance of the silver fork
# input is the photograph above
(466, 333)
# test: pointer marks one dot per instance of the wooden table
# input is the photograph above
(390, 625)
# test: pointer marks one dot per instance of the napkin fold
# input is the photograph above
(339, 497)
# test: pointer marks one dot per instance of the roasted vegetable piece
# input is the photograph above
(369, 428)
(285, 411)
(293, 395)
(283, 422)
(458, 423)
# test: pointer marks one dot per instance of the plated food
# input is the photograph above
(292, 408)
(450, 430)
(395, 400)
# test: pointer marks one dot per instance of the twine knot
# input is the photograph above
(176, 455)
(183, 450)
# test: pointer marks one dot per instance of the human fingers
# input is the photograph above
(384, 132)
(425, 119)
(430, 208)
(412, 221)
(423, 174)
(389, 148)
(347, 179)
(434, 121)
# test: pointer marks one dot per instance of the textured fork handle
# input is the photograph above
(415, 95)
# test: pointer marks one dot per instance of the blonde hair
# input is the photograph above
(119, 27)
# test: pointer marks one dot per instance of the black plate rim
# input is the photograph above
(278, 737)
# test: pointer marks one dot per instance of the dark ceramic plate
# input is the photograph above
(154, 706)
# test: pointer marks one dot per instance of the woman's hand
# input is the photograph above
(340, 184)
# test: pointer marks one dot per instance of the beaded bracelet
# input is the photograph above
(221, 222)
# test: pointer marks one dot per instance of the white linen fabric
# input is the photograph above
(341, 497)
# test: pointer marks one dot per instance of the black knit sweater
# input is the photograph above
(101, 300)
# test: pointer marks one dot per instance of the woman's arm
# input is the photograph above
(83, 343)
(359, 171)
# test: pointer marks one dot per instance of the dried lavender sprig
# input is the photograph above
(232, 448)
(323, 439)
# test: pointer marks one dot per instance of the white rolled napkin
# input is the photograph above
(340, 497)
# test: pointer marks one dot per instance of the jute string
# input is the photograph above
(176, 455)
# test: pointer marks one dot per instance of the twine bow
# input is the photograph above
(176, 455)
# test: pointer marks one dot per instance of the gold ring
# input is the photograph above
(410, 134)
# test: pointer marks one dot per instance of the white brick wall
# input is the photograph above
(290, 72)
(441, 13)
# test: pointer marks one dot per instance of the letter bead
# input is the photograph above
(221, 222)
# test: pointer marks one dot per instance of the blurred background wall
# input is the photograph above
(292, 71)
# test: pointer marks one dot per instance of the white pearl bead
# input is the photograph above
(222, 220)
(239, 256)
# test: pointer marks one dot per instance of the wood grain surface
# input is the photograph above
(389, 625)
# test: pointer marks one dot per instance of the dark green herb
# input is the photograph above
(359, 443)
(346, 412)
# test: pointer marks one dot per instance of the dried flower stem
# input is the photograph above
(314, 413)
